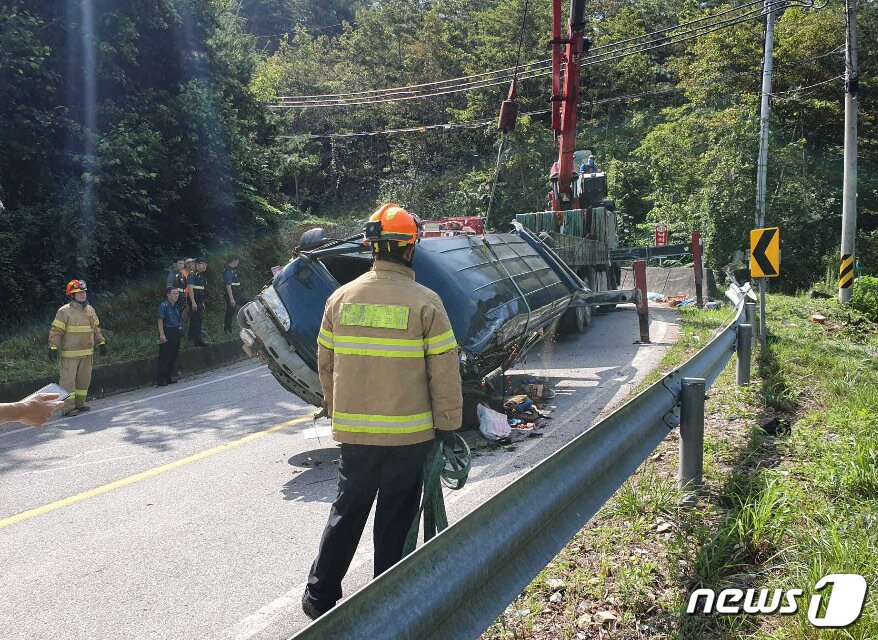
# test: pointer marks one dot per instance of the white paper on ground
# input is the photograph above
(317, 432)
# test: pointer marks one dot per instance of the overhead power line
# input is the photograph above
(755, 6)
(716, 25)
(508, 71)
(477, 124)
(777, 94)
(400, 96)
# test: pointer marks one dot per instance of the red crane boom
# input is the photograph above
(565, 97)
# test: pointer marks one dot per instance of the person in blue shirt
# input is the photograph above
(589, 167)
(169, 338)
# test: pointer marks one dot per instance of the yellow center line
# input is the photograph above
(149, 473)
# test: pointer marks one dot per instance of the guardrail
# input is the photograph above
(459, 582)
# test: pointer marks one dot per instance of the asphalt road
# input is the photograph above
(195, 510)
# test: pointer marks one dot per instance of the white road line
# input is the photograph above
(9, 433)
(123, 405)
(91, 451)
(81, 464)
(253, 624)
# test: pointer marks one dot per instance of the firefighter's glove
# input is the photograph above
(102, 349)
(324, 412)
(53, 354)
(446, 437)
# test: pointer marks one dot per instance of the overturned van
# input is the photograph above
(504, 292)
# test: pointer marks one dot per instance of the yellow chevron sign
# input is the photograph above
(765, 252)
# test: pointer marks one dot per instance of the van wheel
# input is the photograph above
(577, 319)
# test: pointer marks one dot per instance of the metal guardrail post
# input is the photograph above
(642, 300)
(691, 439)
(750, 318)
(744, 349)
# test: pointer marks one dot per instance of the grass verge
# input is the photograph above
(128, 316)
(791, 495)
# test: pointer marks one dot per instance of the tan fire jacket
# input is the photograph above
(75, 330)
(387, 360)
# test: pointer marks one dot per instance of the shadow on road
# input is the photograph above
(315, 476)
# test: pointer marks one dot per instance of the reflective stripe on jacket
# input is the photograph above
(75, 330)
(387, 360)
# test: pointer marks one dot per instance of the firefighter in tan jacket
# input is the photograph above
(74, 334)
(388, 365)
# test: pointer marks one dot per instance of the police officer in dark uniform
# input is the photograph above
(183, 301)
(176, 267)
(179, 283)
(169, 338)
(197, 282)
(232, 290)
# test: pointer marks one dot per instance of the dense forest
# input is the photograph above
(130, 132)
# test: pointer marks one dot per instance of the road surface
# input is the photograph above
(195, 510)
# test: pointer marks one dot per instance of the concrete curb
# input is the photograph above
(124, 376)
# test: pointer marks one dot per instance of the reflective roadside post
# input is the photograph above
(691, 439)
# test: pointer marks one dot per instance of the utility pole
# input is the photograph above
(762, 166)
(849, 197)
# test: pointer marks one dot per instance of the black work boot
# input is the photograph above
(310, 607)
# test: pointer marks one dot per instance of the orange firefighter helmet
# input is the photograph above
(76, 286)
(392, 222)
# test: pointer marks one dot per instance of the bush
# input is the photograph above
(865, 298)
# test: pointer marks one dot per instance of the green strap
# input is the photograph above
(436, 473)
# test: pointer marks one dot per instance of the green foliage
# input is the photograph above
(684, 153)
(865, 297)
(173, 154)
(180, 150)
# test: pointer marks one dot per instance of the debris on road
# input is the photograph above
(493, 425)
(521, 415)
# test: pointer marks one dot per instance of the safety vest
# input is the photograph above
(387, 359)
